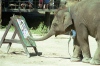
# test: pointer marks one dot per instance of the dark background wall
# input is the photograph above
(33, 19)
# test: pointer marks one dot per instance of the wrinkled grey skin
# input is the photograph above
(84, 17)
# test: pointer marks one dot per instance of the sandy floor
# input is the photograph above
(54, 53)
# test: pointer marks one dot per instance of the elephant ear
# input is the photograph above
(67, 20)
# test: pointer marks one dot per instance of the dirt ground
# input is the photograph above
(54, 52)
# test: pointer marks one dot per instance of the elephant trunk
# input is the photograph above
(49, 34)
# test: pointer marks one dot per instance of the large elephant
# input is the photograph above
(84, 17)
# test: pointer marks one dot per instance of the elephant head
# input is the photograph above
(61, 23)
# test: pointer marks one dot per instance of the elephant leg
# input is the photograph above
(96, 59)
(86, 52)
(82, 36)
(77, 53)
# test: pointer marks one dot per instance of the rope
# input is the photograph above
(73, 36)
(68, 45)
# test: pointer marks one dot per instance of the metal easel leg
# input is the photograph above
(7, 29)
(9, 45)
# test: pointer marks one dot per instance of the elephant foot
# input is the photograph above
(95, 61)
(76, 59)
(86, 60)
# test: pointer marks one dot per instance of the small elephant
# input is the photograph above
(84, 18)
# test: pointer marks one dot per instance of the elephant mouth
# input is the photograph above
(59, 33)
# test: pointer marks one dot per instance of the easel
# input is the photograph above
(22, 30)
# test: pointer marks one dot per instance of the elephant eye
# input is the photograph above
(55, 24)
